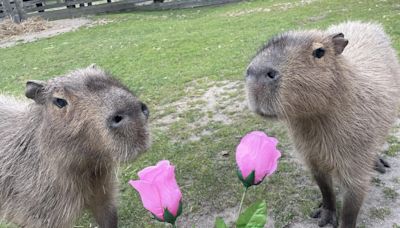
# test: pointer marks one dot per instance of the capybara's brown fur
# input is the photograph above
(338, 91)
(59, 154)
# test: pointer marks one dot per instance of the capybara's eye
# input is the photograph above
(319, 52)
(61, 103)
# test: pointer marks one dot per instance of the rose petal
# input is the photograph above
(244, 160)
(267, 163)
(150, 197)
(257, 152)
(152, 172)
(169, 190)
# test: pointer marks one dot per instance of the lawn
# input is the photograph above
(172, 60)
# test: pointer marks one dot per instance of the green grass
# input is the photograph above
(158, 55)
(394, 146)
(379, 213)
(390, 193)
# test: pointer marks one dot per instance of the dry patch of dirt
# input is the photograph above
(36, 28)
(8, 29)
(248, 11)
(278, 6)
(220, 102)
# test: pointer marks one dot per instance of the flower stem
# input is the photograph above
(241, 202)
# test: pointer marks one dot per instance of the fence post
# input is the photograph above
(19, 7)
(10, 11)
(70, 3)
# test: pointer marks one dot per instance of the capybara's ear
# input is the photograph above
(339, 43)
(34, 90)
(93, 65)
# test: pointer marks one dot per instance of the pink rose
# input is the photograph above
(159, 191)
(256, 157)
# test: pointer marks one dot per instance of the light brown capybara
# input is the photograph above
(338, 92)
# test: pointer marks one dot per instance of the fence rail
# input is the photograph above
(42, 8)
(59, 9)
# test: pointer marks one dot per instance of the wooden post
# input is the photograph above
(19, 7)
(11, 12)
(70, 4)
(40, 4)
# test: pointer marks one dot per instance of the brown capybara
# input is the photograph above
(59, 154)
(337, 90)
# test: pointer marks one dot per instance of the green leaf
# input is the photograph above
(168, 217)
(179, 209)
(219, 223)
(255, 216)
(249, 181)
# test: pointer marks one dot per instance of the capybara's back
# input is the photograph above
(370, 51)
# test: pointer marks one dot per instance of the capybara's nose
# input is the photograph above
(145, 110)
(116, 121)
(265, 75)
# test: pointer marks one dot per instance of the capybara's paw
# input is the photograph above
(381, 164)
(325, 217)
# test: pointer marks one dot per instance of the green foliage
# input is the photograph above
(219, 223)
(390, 193)
(379, 213)
(168, 217)
(249, 181)
(394, 146)
(253, 217)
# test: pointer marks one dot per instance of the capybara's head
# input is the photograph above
(91, 115)
(296, 74)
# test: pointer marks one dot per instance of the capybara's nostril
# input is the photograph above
(249, 73)
(145, 110)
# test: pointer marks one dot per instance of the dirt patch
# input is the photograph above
(219, 102)
(278, 6)
(207, 220)
(9, 29)
(34, 29)
(248, 11)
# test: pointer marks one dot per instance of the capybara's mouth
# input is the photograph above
(266, 115)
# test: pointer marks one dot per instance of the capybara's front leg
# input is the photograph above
(353, 200)
(104, 210)
(327, 212)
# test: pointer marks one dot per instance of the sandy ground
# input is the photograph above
(215, 104)
(55, 28)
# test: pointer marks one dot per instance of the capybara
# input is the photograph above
(337, 90)
(59, 154)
